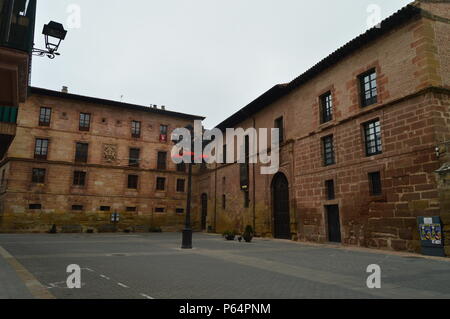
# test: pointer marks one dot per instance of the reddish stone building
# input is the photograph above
(360, 131)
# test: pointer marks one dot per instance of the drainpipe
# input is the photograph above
(254, 188)
(215, 198)
(8, 20)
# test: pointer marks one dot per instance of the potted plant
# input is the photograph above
(229, 235)
(248, 234)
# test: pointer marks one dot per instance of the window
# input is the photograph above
(368, 87)
(328, 150)
(179, 211)
(2, 181)
(131, 209)
(163, 131)
(79, 178)
(372, 132)
(181, 167)
(329, 187)
(77, 207)
(180, 185)
(224, 154)
(45, 116)
(81, 152)
(326, 107)
(134, 157)
(375, 184)
(136, 129)
(38, 176)
(160, 184)
(133, 181)
(162, 161)
(224, 201)
(280, 125)
(105, 208)
(246, 199)
(85, 121)
(35, 206)
(41, 149)
(160, 210)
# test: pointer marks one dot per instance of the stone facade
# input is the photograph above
(105, 190)
(411, 62)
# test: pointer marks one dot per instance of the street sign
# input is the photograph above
(431, 237)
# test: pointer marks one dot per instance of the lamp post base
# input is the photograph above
(187, 239)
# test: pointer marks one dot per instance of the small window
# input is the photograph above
(131, 209)
(375, 184)
(134, 157)
(41, 149)
(181, 185)
(136, 129)
(35, 206)
(85, 121)
(162, 160)
(224, 152)
(372, 132)
(38, 176)
(77, 207)
(368, 86)
(328, 150)
(105, 208)
(279, 124)
(326, 107)
(45, 116)
(224, 201)
(79, 178)
(2, 181)
(160, 210)
(329, 187)
(133, 181)
(181, 167)
(163, 131)
(179, 211)
(246, 199)
(81, 153)
(160, 184)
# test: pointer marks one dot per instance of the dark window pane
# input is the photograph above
(134, 157)
(224, 154)
(279, 124)
(369, 91)
(179, 211)
(81, 154)
(246, 199)
(160, 184)
(162, 160)
(41, 149)
(131, 209)
(45, 116)
(181, 167)
(35, 206)
(85, 121)
(326, 105)
(180, 185)
(77, 207)
(136, 129)
(105, 208)
(372, 132)
(329, 185)
(375, 183)
(224, 201)
(79, 178)
(160, 210)
(38, 176)
(133, 181)
(163, 131)
(328, 150)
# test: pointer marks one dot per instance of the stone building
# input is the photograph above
(76, 160)
(360, 131)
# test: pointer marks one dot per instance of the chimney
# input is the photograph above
(65, 89)
(163, 107)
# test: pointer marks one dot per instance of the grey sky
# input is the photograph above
(206, 57)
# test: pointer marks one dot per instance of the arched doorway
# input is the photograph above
(281, 215)
(204, 210)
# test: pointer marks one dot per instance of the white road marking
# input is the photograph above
(122, 285)
(105, 277)
(147, 296)
(88, 269)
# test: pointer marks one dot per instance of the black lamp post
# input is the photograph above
(54, 33)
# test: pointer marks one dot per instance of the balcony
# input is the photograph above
(8, 119)
(17, 20)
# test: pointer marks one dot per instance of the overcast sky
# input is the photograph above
(205, 57)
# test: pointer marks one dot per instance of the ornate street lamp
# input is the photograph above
(54, 33)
